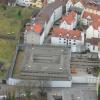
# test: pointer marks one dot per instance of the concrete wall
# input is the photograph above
(90, 32)
(61, 84)
(84, 79)
(75, 79)
(99, 54)
(31, 38)
(12, 81)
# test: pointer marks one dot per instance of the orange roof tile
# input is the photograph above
(65, 33)
(37, 28)
(95, 18)
(96, 24)
(69, 18)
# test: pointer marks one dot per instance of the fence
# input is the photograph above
(11, 69)
(9, 37)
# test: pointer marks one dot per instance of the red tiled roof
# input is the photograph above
(69, 18)
(94, 17)
(65, 33)
(96, 24)
(34, 27)
(37, 28)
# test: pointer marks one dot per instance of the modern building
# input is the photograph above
(48, 63)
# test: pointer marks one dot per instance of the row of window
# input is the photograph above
(68, 43)
(66, 39)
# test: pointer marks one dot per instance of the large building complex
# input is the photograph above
(47, 63)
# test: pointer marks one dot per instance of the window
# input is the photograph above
(64, 39)
(59, 38)
(59, 41)
(69, 42)
(74, 43)
(93, 47)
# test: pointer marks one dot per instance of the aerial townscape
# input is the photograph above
(49, 50)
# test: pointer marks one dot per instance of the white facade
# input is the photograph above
(99, 54)
(92, 48)
(55, 16)
(86, 21)
(65, 25)
(69, 5)
(61, 84)
(23, 2)
(57, 13)
(79, 5)
(91, 32)
(50, 1)
(84, 79)
(70, 26)
(73, 43)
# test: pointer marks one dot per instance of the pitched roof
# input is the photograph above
(89, 4)
(96, 24)
(69, 18)
(92, 5)
(45, 14)
(65, 33)
(94, 17)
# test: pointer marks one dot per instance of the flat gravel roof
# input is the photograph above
(48, 62)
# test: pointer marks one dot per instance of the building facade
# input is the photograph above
(45, 20)
(69, 21)
(71, 38)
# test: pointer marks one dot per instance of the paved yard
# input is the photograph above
(76, 92)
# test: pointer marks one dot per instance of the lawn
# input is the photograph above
(7, 49)
(12, 17)
(11, 21)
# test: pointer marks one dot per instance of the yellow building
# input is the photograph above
(38, 4)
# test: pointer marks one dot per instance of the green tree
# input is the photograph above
(4, 7)
(19, 14)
